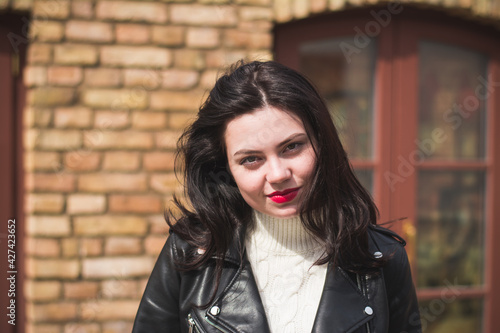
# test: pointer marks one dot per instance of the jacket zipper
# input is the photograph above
(363, 290)
(192, 325)
(214, 325)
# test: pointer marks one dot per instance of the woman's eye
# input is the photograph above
(248, 160)
(293, 146)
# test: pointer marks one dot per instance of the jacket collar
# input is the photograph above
(342, 308)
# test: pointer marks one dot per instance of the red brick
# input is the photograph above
(119, 288)
(168, 35)
(42, 247)
(135, 204)
(91, 247)
(203, 15)
(58, 312)
(117, 267)
(135, 11)
(50, 96)
(154, 244)
(117, 327)
(208, 78)
(256, 26)
(156, 161)
(37, 117)
(146, 79)
(83, 328)
(180, 120)
(97, 32)
(115, 225)
(75, 54)
(53, 268)
(165, 183)
(44, 203)
(35, 76)
(158, 225)
(43, 290)
(39, 53)
(203, 38)
(21, 5)
(167, 139)
(82, 9)
(115, 99)
(56, 139)
(102, 77)
(119, 140)
(48, 225)
(137, 56)
(189, 59)
(85, 203)
(122, 246)
(254, 2)
(101, 310)
(69, 247)
(48, 161)
(58, 9)
(179, 79)
(72, 117)
(111, 119)
(149, 120)
(82, 160)
(80, 290)
(39, 327)
(50, 182)
(252, 13)
(64, 76)
(107, 182)
(168, 100)
(121, 161)
(221, 58)
(132, 33)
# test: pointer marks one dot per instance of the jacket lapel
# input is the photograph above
(342, 306)
(238, 307)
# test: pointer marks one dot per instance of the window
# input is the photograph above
(415, 95)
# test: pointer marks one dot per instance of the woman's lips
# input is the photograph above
(284, 196)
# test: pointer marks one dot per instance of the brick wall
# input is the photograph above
(111, 84)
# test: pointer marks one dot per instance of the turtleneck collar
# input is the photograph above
(281, 235)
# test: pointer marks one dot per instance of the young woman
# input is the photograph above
(280, 235)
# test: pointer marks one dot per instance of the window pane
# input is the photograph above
(365, 176)
(452, 102)
(450, 315)
(347, 89)
(450, 238)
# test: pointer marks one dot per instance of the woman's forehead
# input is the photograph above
(262, 127)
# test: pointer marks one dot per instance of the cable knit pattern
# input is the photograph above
(282, 253)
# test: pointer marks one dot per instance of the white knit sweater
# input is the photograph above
(281, 254)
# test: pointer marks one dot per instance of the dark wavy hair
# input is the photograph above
(336, 208)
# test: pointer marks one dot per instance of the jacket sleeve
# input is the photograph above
(159, 307)
(403, 305)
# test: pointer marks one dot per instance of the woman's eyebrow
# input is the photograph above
(250, 151)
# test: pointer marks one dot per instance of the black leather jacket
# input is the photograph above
(350, 303)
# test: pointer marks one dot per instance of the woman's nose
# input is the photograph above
(278, 171)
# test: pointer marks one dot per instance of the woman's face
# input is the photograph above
(271, 158)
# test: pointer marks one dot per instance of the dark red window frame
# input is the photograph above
(396, 118)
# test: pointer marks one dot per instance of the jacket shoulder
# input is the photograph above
(178, 247)
(384, 236)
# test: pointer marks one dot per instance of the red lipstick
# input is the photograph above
(284, 196)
